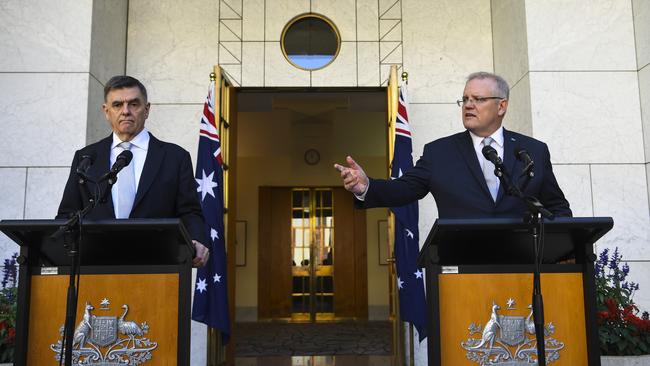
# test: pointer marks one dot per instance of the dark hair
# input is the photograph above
(124, 81)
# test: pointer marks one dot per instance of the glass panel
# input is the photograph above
(296, 199)
(312, 240)
(327, 199)
(310, 42)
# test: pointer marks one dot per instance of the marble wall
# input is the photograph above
(56, 57)
(641, 14)
(581, 90)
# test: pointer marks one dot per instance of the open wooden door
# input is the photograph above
(225, 105)
(392, 97)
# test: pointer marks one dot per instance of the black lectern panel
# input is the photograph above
(508, 241)
(104, 242)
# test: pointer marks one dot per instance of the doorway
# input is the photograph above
(311, 266)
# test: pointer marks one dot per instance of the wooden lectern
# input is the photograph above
(479, 280)
(134, 292)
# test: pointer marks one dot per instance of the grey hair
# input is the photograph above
(502, 86)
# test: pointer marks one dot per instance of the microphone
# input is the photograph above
(493, 156)
(86, 161)
(84, 164)
(121, 161)
(523, 156)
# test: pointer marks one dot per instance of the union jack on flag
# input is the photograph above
(211, 291)
(410, 279)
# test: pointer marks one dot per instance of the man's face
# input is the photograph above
(483, 117)
(126, 110)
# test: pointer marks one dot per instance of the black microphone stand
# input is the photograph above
(535, 219)
(72, 228)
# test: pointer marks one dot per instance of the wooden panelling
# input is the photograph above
(151, 298)
(468, 298)
(350, 258)
(274, 258)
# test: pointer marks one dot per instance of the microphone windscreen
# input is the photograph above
(489, 152)
(125, 155)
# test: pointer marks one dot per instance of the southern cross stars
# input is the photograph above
(206, 185)
(214, 234)
(201, 286)
(216, 278)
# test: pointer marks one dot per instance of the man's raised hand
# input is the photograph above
(354, 178)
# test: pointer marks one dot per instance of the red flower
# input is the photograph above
(603, 315)
(612, 306)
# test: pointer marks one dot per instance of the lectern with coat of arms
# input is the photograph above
(134, 293)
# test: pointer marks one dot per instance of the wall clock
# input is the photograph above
(312, 156)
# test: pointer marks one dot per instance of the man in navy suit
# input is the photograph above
(455, 171)
(158, 182)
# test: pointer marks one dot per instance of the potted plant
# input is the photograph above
(624, 335)
(8, 309)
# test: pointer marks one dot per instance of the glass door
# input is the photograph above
(312, 248)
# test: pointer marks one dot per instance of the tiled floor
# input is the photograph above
(315, 344)
(340, 360)
(367, 338)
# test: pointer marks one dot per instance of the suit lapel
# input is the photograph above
(464, 142)
(509, 143)
(101, 166)
(152, 163)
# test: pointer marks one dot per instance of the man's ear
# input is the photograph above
(503, 107)
(146, 110)
(105, 110)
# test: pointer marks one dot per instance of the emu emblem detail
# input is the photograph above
(508, 340)
(107, 340)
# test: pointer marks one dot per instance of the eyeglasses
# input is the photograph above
(475, 101)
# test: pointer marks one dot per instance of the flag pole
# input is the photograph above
(213, 335)
(405, 79)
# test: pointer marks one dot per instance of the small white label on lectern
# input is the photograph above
(449, 269)
(49, 271)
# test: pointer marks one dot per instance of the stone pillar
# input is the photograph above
(640, 269)
(575, 85)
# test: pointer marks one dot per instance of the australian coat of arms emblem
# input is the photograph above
(509, 340)
(107, 340)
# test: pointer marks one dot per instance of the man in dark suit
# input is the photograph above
(158, 183)
(454, 170)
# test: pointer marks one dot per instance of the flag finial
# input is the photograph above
(213, 76)
(405, 76)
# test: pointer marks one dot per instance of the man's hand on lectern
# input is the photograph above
(201, 256)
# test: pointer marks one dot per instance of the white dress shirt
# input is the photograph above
(139, 148)
(497, 144)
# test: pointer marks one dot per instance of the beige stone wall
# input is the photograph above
(578, 84)
(55, 58)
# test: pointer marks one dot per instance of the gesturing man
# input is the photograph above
(454, 170)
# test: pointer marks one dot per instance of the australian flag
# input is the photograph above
(410, 280)
(211, 292)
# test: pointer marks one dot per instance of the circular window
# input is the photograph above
(310, 41)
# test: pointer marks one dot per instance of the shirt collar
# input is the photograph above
(497, 136)
(141, 140)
